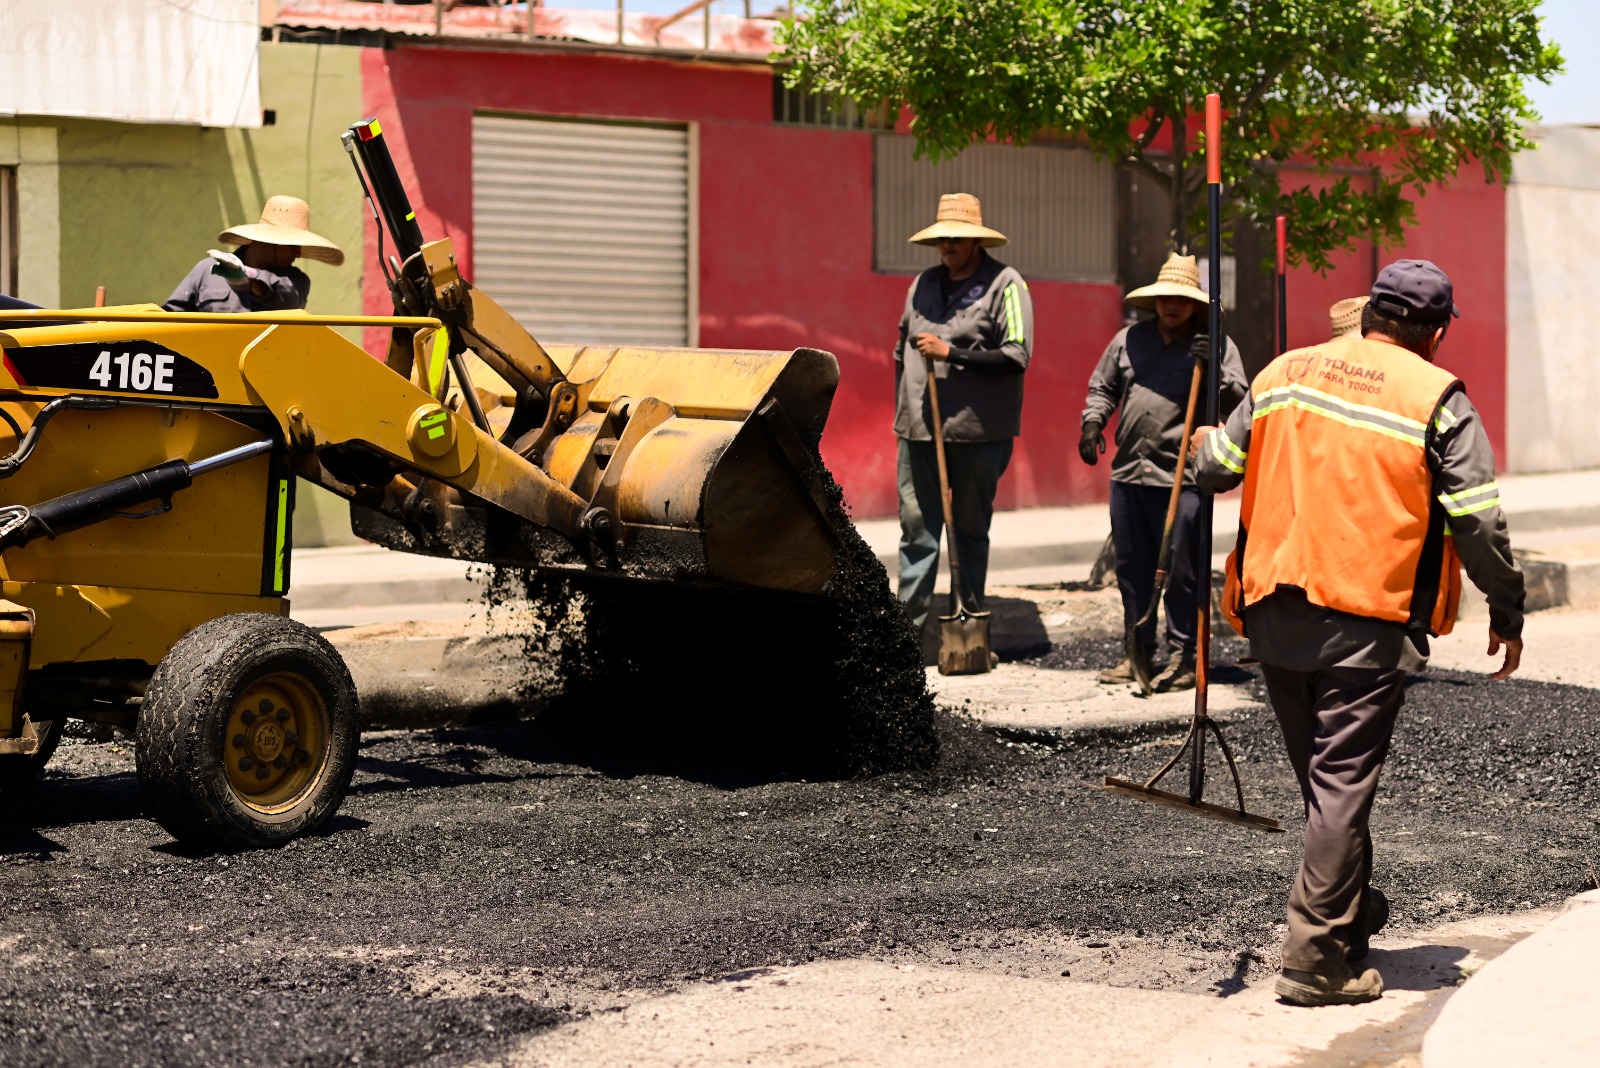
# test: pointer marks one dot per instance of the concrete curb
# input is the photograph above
(456, 672)
(1531, 1006)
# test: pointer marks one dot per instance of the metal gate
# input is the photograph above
(581, 229)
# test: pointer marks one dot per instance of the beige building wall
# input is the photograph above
(1553, 303)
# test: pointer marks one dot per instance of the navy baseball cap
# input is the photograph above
(1416, 290)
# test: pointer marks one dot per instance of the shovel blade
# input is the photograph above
(964, 644)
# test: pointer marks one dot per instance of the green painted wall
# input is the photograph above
(140, 204)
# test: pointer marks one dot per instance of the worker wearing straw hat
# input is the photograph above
(1345, 316)
(972, 317)
(1146, 372)
(261, 276)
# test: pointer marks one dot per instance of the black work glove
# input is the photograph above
(1200, 347)
(1091, 444)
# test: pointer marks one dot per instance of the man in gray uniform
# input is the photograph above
(972, 316)
(1146, 371)
(261, 276)
(1336, 678)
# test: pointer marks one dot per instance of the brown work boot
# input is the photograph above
(1178, 674)
(1113, 676)
(1376, 918)
(1343, 987)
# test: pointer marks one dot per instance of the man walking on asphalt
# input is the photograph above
(1146, 371)
(972, 316)
(1368, 482)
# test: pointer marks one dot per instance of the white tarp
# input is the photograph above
(169, 61)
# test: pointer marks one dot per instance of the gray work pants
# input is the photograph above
(1336, 726)
(975, 470)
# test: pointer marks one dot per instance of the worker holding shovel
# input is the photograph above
(1368, 482)
(1148, 372)
(969, 318)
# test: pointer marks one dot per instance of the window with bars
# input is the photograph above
(800, 107)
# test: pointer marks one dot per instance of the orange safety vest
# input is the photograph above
(1338, 498)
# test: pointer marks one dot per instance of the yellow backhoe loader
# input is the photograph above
(148, 478)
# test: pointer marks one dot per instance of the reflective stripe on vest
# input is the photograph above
(1338, 498)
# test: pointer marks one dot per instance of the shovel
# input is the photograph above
(963, 634)
(1137, 653)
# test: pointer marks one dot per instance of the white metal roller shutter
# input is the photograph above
(581, 229)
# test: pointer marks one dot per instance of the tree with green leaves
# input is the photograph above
(1406, 91)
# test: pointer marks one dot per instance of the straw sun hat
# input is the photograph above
(1178, 277)
(1345, 316)
(960, 215)
(285, 221)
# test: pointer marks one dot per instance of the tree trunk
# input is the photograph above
(1180, 201)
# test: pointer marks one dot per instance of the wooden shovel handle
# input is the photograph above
(957, 602)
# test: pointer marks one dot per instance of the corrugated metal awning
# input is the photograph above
(581, 229)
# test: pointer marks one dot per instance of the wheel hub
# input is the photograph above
(277, 741)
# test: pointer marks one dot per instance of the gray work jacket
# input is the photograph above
(203, 290)
(1149, 380)
(1288, 631)
(988, 323)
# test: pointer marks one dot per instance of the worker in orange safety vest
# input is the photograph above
(1368, 481)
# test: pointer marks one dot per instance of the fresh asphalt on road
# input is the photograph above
(482, 887)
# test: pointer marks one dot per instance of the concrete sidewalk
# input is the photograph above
(1041, 552)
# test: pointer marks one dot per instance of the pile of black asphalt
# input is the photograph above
(482, 885)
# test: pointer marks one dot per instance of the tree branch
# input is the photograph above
(1144, 166)
(1267, 81)
(1151, 129)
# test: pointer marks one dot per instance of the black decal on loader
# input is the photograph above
(141, 367)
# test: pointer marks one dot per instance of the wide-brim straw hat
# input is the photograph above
(285, 221)
(1178, 277)
(1345, 316)
(960, 215)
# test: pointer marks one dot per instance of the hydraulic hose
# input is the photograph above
(80, 508)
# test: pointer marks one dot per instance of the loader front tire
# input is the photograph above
(247, 735)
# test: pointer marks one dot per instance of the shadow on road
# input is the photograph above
(1424, 968)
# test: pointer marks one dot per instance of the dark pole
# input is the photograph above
(1283, 285)
(1211, 403)
(387, 189)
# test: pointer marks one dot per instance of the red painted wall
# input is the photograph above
(1462, 228)
(786, 239)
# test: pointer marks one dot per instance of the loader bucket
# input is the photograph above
(706, 458)
(727, 481)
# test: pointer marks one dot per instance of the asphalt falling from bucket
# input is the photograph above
(727, 685)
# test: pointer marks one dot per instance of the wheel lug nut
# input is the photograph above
(265, 706)
(291, 737)
(262, 771)
(302, 757)
(248, 716)
(283, 715)
(238, 741)
(280, 761)
(245, 763)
